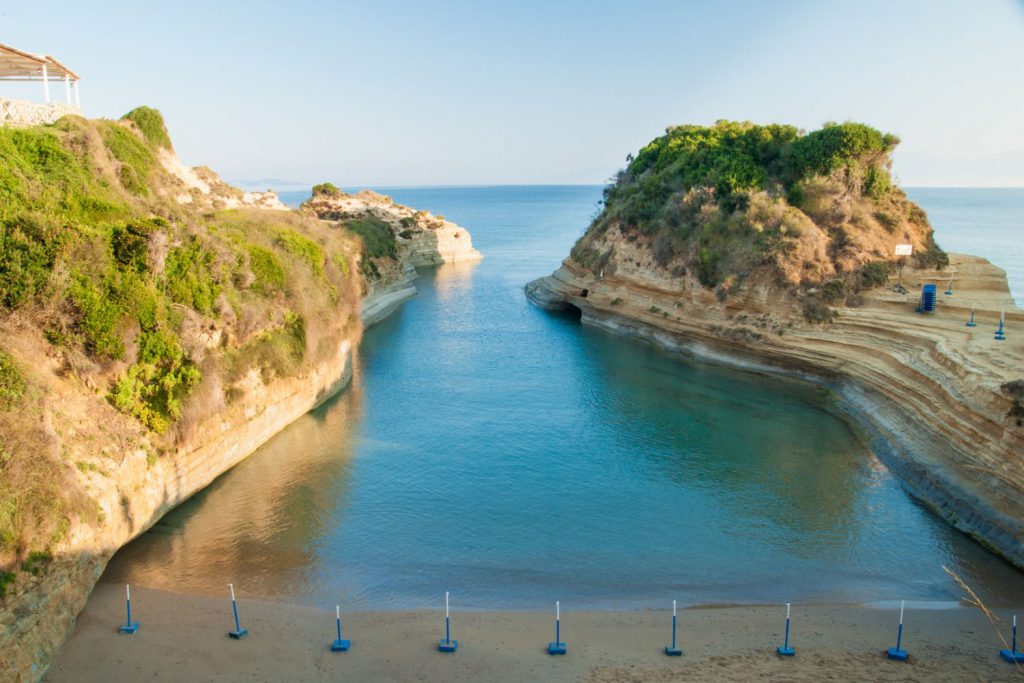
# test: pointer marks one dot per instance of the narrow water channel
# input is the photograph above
(513, 457)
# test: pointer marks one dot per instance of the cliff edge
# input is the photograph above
(773, 251)
(156, 327)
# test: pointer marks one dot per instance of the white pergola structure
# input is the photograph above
(18, 65)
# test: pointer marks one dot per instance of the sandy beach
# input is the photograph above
(185, 638)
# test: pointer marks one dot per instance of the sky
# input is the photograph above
(390, 93)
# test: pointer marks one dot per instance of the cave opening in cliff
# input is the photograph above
(572, 312)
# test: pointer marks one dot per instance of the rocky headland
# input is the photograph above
(417, 239)
(156, 327)
(772, 250)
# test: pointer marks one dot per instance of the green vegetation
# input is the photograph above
(874, 274)
(123, 274)
(270, 276)
(6, 579)
(135, 155)
(836, 146)
(12, 384)
(191, 275)
(37, 562)
(151, 124)
(733, 159)
(378, 238)
(156, 307)
(130, 242)
(276, 352)
(153, 389)
(728, 201)
(327, 190)
(304, 249)
(342, 264)
(100, 308)
(43, 178)
(378, 242)
(29, 246)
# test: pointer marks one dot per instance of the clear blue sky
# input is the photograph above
(404, 93)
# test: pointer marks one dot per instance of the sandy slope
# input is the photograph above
(184, 638)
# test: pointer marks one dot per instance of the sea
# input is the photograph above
(513, 457)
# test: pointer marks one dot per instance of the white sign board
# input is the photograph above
(904, 249)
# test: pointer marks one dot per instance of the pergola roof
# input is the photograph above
(16, 65)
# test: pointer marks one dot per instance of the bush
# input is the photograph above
(41, 173)
(151, 124)
(932, 256)
(876, 182)
(29, 247)
(327, 190)
(833, 290)
(707, 267)
(817, 311)
(135, 155)
(6, 579)
(303, 248)
(12, 384)
(277, 352)
(378, 239)
(874, 274)
(826, 150)
(342, 264)
(37, 562)
(190, 277)
(663, 249)
(269, 273)
(154, 388)
(130, 242)
(98, 316)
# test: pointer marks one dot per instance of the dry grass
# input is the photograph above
(975, 601)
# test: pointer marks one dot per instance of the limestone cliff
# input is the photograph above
(942, 400)
(156, 327)
(401, 239)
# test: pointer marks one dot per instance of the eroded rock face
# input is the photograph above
(422, 239)
(137, 491)
(926, 387)
(201, 186)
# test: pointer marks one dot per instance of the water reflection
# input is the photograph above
(260, 522)
(450, 279)
(743, 437)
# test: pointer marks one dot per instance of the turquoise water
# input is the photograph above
(513, 457)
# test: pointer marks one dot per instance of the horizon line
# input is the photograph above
(299, 187)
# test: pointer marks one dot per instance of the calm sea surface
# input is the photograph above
(513, 457)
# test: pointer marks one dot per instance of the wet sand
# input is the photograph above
(185, 638)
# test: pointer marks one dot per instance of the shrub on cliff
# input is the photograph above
(154, 388)
(378, 237)
(327, 190)
(304, 249)
(135, 156)
(151, 124)
(737, 200)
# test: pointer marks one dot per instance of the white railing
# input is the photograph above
(25, 113)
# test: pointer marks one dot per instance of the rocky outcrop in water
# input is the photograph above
(773, 249)
(411, 238)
